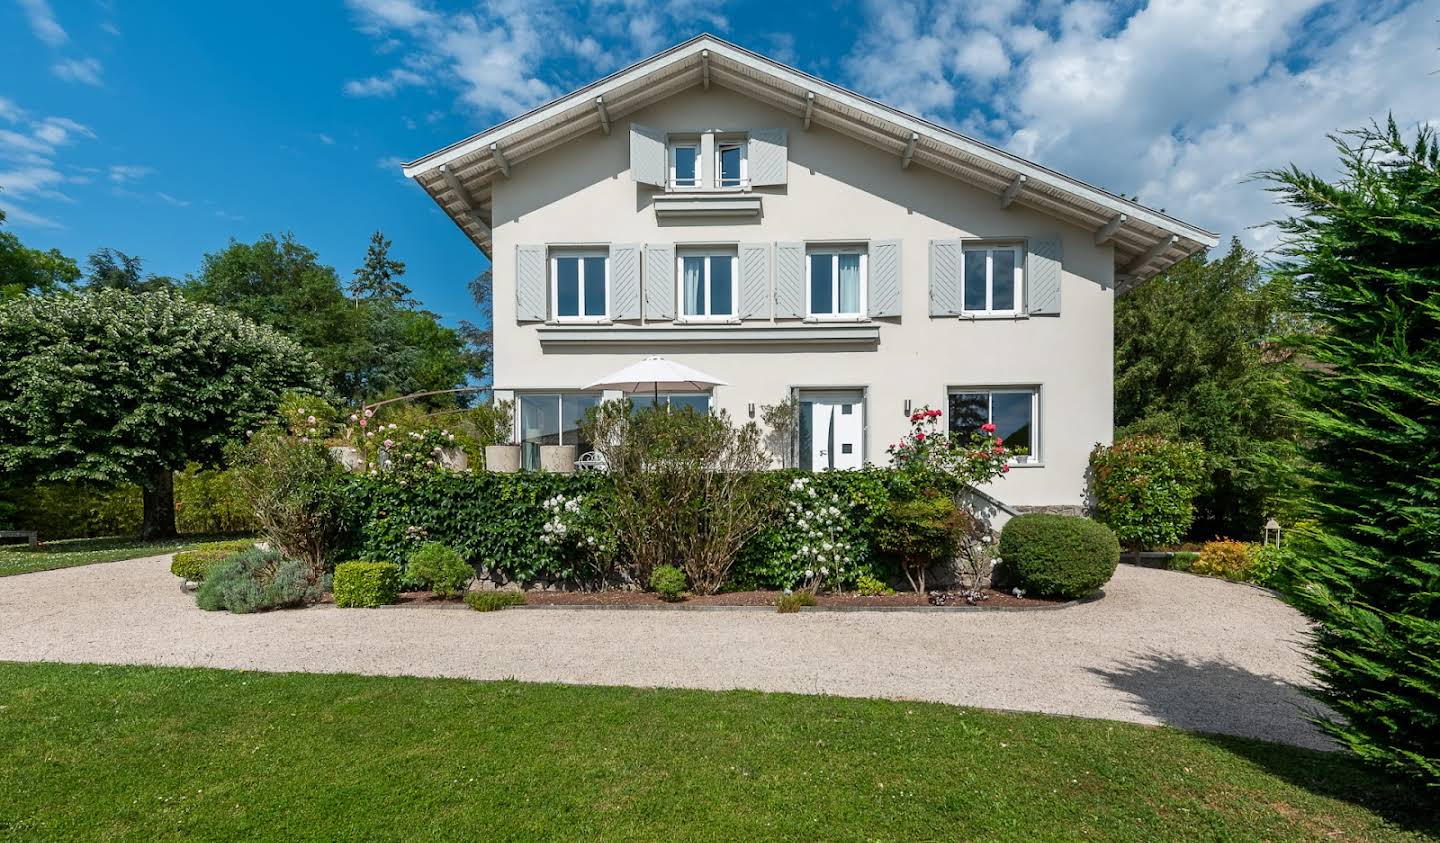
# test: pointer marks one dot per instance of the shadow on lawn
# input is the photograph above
(1232, 707)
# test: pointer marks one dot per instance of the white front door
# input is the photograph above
(832, 429)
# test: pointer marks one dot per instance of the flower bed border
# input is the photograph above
(682, 607)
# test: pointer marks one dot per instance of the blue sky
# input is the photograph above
(165, 130)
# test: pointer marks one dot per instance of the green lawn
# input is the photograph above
(21, 559)
(163, 753)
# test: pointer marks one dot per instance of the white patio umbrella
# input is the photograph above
(654, 374)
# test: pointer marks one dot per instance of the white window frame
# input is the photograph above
(835, 252)
(555, 256)
(687, 143)
(741, 144)
(559, 395)
(970, 252)
(709, 254)
(1036, 441)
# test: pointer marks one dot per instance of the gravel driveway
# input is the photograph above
(1161, 647)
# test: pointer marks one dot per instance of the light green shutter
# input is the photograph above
(660, 281)
(647, 155)
(944, 277)
(530, 284)
(768, 157)
(789, 280)
(1043, 275)
(754, 261)
(625, 280)
(885, 279)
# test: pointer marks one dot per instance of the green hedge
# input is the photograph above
(495, 521)
(366, 584)
(193, 564)
(1058, 555)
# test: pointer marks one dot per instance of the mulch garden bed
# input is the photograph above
(642, 599)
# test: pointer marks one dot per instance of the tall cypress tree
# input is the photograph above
(1364, 255)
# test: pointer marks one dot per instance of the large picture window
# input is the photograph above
(707, 285)
(993, 280)
(551, 419)
(579, 284)
(835, 282)
(1013, 411)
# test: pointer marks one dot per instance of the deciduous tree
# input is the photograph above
(116, 387)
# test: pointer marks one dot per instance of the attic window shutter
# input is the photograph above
(754, 280)
(769, 157)
(789, 280)
(885, 281)
(625, 280)
(1042, 275)
(660, 281)
(647, 155)
(944, 277)
(530, 284)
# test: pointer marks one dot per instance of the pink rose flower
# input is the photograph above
(988, 427)
(364, 422)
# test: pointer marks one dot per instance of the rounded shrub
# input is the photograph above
(193, 564)
(668, 582)
(440, 568)
(255, 580)
(1058, 555)
(494, 601)
(366, 584)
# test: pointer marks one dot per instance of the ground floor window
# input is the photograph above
(1013, 410)
(697, 401)
(832, 429)
(551, 418)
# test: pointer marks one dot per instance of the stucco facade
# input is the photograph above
(838, 190)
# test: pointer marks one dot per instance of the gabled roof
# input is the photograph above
(459, 177)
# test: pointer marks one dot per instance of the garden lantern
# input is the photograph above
(1272, 530)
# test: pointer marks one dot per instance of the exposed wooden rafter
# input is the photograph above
(909, 151)
(705, 68)
(1105, 233)
(604, 114)
(1012, 191)
(809, 108)
(1155, 251)
(500, 161)
(472, 208)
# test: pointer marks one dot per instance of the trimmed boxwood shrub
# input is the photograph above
(366, 584)
(1058, 555)
(494, 601)
(440, 569)
(193, 564)
(668, 582)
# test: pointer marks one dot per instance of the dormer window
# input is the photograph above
(685, 163)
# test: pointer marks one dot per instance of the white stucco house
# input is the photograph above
(792, 237)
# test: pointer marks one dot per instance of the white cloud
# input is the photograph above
(1180, 102)
(982, 57)
(43, 23)
(383, 86)
(126, 173)
(85, 71)
(496, 55)
(171, 200)
(9, 111)
(325, 139)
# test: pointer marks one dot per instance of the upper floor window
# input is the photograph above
(730, 163)
(992, 280)
(579, 285)
(685, 163)
(836, 281)
(707, 285)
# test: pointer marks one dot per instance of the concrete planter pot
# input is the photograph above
(455, 459)
(349, 457)
(502, 458)
(559, 459)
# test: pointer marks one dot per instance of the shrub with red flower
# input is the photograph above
(937, 458)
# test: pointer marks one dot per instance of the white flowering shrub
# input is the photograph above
(824, 526)
(577, 532)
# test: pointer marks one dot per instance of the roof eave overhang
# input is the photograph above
(459, 177)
